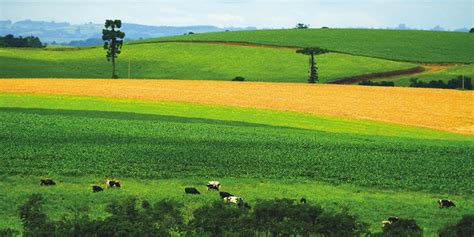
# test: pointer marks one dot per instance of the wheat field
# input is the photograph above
(447, 110)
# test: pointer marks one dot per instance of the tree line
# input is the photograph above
(11, 41)
(280, 217)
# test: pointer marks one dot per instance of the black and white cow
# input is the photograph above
(233, 199)
(213, 185)
(390, 221)
(96, 189)
(112, 184)
(225, 194)
(47, 182)
(445, 203)
(191, 191)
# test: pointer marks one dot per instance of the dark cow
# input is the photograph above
(213, 185)
(112, 184)
(390, 221)
(47, 182)
(96, 189)
(303, 200)
(191, 191)
(225, 194)
(445, 203)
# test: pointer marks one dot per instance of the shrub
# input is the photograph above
(456, 83)
(238, 78)
(401, 228)
(464, 228)
(382, 83)
(9, 232)
(220, 219)
(34, 220)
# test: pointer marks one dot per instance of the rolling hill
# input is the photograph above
(375, 169)
(401, 45)
(187, 61)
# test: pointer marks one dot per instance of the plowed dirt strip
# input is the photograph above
(448, 110)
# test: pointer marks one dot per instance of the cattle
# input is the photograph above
(96, 189)
(191, 191)
(303, 200)
(442, 203)
(233, 199)
(225, 194)
(213, 185)
(112, 184)
(47, 182)
(390, 221)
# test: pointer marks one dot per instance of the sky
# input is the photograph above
(420, 14)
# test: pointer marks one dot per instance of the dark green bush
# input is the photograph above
(464, 228)
(220, 219)
(9, 232)
(401, 228)
(238, 78)
(456, 83)
(275, 217)
(382, 83)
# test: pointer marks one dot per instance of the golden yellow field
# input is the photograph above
(448, 110)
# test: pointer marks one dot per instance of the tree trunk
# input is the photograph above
(312, 75)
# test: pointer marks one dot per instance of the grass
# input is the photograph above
(370, 205)
(403, 45)
(187, 61)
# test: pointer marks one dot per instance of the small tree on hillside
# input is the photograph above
(113, 41)
(472, 30)
(302, 26)
(313, 69)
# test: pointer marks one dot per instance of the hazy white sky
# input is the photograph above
(424, 14)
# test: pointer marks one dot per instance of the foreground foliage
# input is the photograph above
(271, 218)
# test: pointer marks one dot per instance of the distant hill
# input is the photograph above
(90, 33)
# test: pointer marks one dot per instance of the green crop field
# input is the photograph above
(413, 46)
(375, 169)
(187, 61)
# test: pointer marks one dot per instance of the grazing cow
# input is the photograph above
(233, 199)
(47, 182)
(390, 221)
(445, 203)
(191, 191)
(96, 189)
(112, 184)
(303, 200)
(225, 194)
(213, 185)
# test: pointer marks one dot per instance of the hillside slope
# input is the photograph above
(187, 61)
(408, 45)
(408, 106)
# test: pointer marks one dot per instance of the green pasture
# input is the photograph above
(403, 45)
(187, 61)
(370, 205)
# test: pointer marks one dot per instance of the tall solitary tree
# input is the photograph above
(113, 41)
(313, 69)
